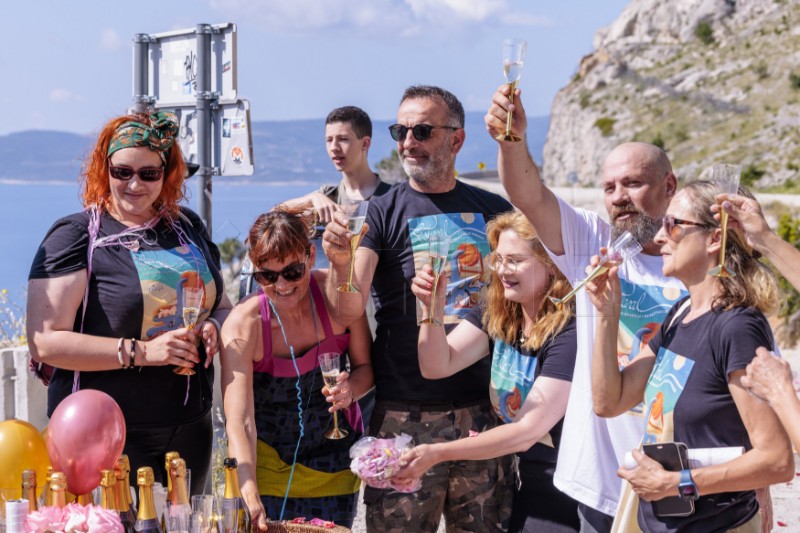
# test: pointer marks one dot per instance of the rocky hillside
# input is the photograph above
(708, 80)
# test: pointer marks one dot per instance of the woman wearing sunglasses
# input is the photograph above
(276, 406)
(532, 345)
(105, 296)
(690, 377)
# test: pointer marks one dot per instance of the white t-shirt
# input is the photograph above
(592, 448)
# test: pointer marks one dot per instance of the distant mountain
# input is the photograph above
(283, 150)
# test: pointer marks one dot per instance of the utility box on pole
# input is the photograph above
(193, 73)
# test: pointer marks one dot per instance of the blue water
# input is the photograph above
(28, 211)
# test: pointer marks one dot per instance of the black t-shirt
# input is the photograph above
(399, 224)
(133, 293)
(514, 371)
(687, 400)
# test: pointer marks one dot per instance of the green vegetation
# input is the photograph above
(789, 230)
(704, 32)
(761, 70)
(390, 169)
(658, 140)
(750, 175)
(794, 80)
(584, 100)
(605, 125)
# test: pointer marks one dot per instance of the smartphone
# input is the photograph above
(673, 456)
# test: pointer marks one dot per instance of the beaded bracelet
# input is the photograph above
(133, 353)
(119, 352)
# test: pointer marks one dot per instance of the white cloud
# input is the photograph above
(64, 96)
(111, 41)
(388, 18)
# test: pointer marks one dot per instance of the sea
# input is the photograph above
(28, 210)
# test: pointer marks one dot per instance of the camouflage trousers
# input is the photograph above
(475, 496)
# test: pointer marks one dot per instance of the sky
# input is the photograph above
(67, 66)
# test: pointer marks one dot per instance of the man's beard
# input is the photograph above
(430, 173)
(643, 227)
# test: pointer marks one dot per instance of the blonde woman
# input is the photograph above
(690, 375)
(532, 345)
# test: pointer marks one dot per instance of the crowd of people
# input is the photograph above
(522, 409)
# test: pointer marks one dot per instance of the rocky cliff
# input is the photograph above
(708, 80)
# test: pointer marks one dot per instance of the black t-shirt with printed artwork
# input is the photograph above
(514, 371)
(687, 400)
(134, 292)
(401, 223)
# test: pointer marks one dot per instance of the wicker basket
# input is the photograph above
(291, 527)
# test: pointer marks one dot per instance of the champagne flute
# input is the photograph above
(329, 365)
(622, 249)
(356, 215)
(726, 178)
(192, 303)
(438, 250)
(513, 61)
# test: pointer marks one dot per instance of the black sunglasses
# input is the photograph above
(290, 273)
(124, 173)
(670, 225)
(421, 132)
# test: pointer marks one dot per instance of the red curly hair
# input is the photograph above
(95, 176)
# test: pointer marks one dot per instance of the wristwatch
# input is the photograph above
(687, 490)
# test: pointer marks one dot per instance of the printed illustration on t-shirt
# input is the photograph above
(466, 258)
(663, 390)
(644, 308)
(163, 274)
(511, 381)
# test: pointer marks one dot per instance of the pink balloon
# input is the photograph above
(86, 434)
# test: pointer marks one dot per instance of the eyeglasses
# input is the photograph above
(421, 132)
(510, 263)
(290, 273)
(125, 173)
(670, 225)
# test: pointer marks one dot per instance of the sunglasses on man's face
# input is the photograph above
(421, 132)
(125, 173)
(290, 273)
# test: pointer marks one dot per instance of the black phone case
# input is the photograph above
(673, 456)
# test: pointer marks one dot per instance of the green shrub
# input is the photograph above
(584, 100)
(658, 140)
(761, 70)
(704, 32)
(605, 125)
(789, 230)
(750, 175)
(794, 80)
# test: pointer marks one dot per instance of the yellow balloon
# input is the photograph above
(21, 447)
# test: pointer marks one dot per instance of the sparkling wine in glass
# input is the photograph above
(192, 301)
(513, 61)
(329, 365)
(438, 250)
(356, 215)
(622, 249)
(726, 178)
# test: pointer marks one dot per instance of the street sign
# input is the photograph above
(172, 66)
(231, 137)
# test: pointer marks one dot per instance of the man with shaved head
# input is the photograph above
(638, 184)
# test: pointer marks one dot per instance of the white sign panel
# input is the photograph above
(172, 66)
(231, 134)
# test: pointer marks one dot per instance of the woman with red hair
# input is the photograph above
(105, 296)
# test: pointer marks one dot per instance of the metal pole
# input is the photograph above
(141, 44)
(204, 100)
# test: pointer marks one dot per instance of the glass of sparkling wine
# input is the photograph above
(192, 300)
(513, 61)
(356, 214)
(623, 248)
(438, 250)
(726, 178)
(329, 365)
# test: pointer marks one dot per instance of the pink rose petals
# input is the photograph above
(73, 518)
(375, 461)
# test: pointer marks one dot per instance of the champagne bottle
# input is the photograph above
(168, 457)
(84, 499)
(44, 497)
(146, 520)
(179, 509)
(125, 507)
(29, 489)
(58, 489)
(233, 495)
(108, 482)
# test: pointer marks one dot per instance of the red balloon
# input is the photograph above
(86, 434)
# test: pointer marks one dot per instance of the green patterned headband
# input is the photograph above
(159, 135)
